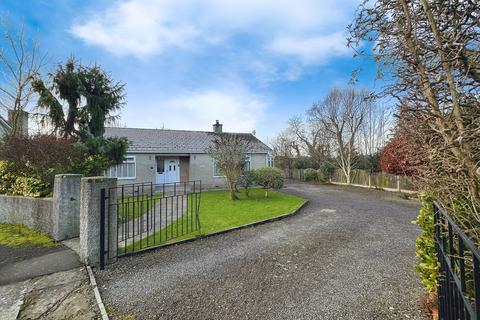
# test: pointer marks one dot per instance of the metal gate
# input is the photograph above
(148, 215)
(459, 272)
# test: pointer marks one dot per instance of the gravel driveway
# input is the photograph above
(349, 254)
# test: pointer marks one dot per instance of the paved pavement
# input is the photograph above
(22, 263)
(44, 283)
(61, 295)
(348, 255)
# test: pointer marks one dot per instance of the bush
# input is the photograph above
(428, 266)
(7, 178)
(269, 178)
(30, 187)
(246, 180)
(326, 171)
(28, 165)
(310, 174)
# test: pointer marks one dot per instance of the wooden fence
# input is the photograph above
(378, 180)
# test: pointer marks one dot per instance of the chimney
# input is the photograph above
(217, 127)
(18, 120)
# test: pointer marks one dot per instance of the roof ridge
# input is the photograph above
(183, 130)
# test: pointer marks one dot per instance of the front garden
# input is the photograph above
(219, 213)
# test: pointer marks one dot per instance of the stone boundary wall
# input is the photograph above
(34, 213)
(58, 216)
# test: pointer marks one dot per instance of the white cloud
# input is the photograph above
(237, 109)
(146, 27)
(316, 49)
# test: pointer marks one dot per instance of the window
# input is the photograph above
(269, 160)
(248, 166)
(248, 163)
(216, 173)
(125, 170)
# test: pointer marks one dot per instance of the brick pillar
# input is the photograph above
(90, 220)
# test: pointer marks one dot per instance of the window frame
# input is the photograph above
(216, 174)
(126, 161)
(269, 160)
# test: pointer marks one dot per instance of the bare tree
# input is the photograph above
(341, 115)
(428, 53)
(310, 138)
(20, 62)
(229, 153)
(285, 149)
(374, 129)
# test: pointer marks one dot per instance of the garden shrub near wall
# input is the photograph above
(428, 264)
(269, 178)
(310, 174)
(326, 171)
(28, 165)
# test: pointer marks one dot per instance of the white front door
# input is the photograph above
(172, 170)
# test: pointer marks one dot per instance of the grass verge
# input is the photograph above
(16, 235)
(218, 213)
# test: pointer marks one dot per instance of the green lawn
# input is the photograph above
(135, 206)
(218, 213)
(15, 235)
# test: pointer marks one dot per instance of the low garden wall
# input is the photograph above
(58, 216)
(34, 213)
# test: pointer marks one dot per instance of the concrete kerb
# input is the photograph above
(98, 297)
(244, 226)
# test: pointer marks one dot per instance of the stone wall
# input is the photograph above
(35, 213)
(58, 216)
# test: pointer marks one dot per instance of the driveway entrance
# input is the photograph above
(350, 254)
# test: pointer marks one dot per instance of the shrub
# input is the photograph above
(246, 180)
(310, 174)
(7, 178)
(28, 165)
(326, 171)
(269, 178)
(30, 187)
(428, 265)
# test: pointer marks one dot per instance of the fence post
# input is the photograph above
(90, 222)
(369, 180)
(66, 206)
(398, 183)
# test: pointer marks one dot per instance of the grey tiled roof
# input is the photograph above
(176, 141)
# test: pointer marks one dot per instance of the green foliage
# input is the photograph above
(30, 187)
(310, 174)
(246, 180)
(428, 264)
(28, 165)
(73, 84)
(370, 162)
(269, 178)
(300, 163)
(7, 177)
(326, 171)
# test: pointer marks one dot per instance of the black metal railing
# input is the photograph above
(459, 274)
(149, 215)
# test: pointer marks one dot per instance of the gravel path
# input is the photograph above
(348, 255)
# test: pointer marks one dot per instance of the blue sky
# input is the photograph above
(252, 64)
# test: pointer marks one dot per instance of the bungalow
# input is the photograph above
(164, 156)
